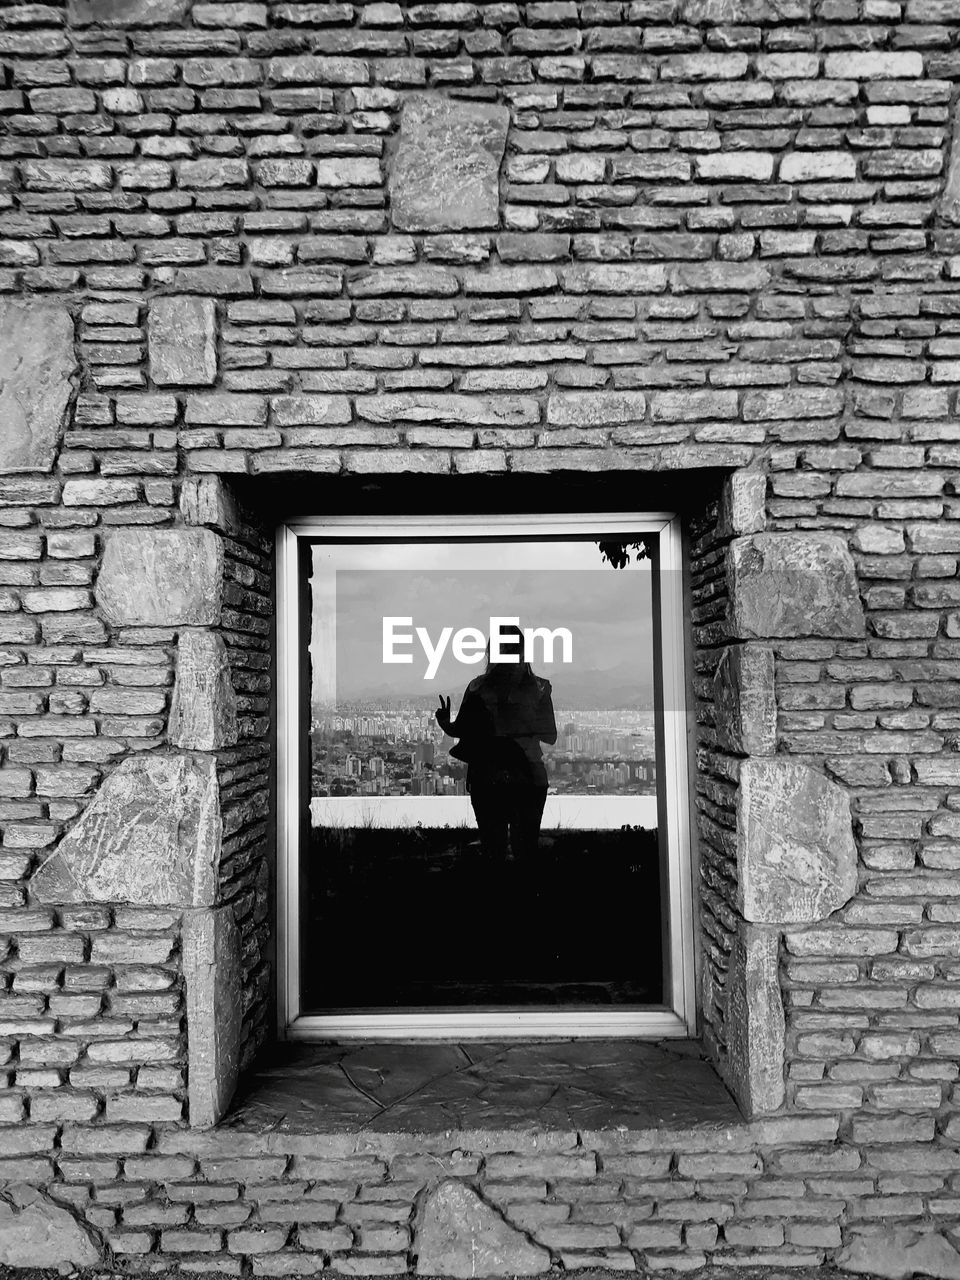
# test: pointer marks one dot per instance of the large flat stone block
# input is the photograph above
(446, 173)
(898, 1252)
(37, 1232)
(796, 854)
(203, 711)
(755, 1022)
(743, 504)
(744, 700)
(213, 977)
(950, 201)
(37, 361)
(181, 333)
(207, 500)
(792, 584)
(161, 577)
(150, 836)
(462, 1236)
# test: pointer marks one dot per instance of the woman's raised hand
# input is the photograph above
(443, 713)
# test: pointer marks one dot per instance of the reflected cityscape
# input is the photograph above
(376, 748)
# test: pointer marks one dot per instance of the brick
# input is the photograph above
(288, 411)
(855, 65)
(796, 403)
(255, 1242)
(367, 1169)
(212, 173)
(348, 171)
(383, 1238)
(121, 1140)
(753, 1235)
(787, 66)
(692, 406)
(328, 1239)
(870, 1130)
(818, 166)
(288, 1264)
(66, 175)
(172, 1241)
(226, 410)
(551, 1167)
(654, 1236)
(595, 408)
(750, 166)
(615, 278)
(322, 70)
(413, 407)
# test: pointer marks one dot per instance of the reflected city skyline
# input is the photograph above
(369, 748)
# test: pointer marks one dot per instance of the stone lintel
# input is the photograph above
(796, 853)
(785, 585)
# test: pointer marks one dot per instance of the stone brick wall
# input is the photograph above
(714, 780)
(318, 244)
(245, 771)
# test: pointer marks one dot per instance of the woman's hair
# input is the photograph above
(514, 633)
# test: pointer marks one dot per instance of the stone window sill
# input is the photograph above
(438, 1088)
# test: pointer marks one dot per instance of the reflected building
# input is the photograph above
(399, 750)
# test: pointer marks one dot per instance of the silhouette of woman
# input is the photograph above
(504, 716)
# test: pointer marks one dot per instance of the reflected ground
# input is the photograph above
(419, 918)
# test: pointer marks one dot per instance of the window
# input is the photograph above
(409, 907)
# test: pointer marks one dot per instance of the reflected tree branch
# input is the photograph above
(617, 551)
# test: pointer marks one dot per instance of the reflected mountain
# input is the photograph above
(590, 687)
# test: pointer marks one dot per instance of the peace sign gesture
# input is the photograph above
(442, 713)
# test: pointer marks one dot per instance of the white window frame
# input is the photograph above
(677, 1015)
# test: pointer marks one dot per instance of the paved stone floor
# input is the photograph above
(579, 1084)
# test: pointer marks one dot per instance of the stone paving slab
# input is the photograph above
(438, 1087)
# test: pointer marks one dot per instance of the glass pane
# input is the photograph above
(505, 852)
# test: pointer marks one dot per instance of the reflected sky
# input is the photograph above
(563, 583)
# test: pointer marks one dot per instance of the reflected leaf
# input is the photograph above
(616, 551)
